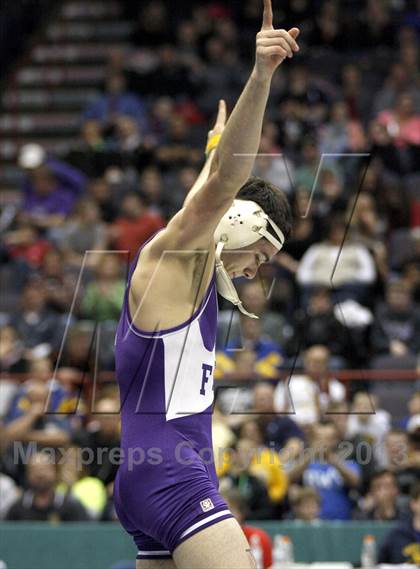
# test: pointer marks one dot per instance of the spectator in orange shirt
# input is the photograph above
(237, 506)
(135, 224)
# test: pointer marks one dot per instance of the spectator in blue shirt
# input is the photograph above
(280, 431)
(114, 102)
(323, 469)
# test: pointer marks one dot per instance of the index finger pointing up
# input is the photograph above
(267, 23)
(221, 115)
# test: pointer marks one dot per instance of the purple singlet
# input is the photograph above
(166, 488)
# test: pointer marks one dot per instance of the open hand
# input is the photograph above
(273, 46)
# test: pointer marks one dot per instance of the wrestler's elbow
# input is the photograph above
(230, 180)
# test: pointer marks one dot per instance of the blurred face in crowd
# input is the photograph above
(302, 203)
(398, 75)
(251, 430)
(336, 233)
(168, 56)
(109, 268)
(364, 202)
(87, 211)
(398, 297)
(384, 489)
(414, 404)
(253, 297)
(153, 15)
(41, 369)
(52, 264)
(33, 298)
(409, 56)
(412, 272)
(245, 361)
(186, 34)
(396, 446)
(379, 133)
(330, 184)
(8, 338)
(351, 76)
(43, 181)
(307, 509)
(91, 132)
(271, 132)
(215, 49)
(151, 183)
(298, 79)
(115, 84)
(325, 436)
(364, 404)
(127, 127)
(71, 468)
(78, 345)
(107, 416)
(37, 392)
(178, 128)
(132, 206)
(310, 152)
(320, 302)
(315, 361)
(405, 105)
(377, 11)
(245, 450)
(41, 473)
(162, 109)
(100, 190)
(339, 112)
(250, 328)
(339, 414)
(264, 398)
(227, 30)
(415, 506)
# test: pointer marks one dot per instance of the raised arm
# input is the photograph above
(221, 179)
(240, 141)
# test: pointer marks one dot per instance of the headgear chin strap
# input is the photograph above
(243, 224)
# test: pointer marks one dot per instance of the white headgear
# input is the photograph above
(243, 224)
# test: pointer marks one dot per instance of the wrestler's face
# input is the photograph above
(246, 261)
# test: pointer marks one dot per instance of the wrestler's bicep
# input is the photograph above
(194, 225)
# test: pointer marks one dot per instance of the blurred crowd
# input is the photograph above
(341, 138)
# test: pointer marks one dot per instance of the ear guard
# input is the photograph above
(242, 225)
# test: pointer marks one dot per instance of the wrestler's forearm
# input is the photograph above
(235, 154)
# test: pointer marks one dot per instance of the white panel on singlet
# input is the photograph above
(187, 364)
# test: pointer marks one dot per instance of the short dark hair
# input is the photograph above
(272, 200)
(396, 431)
(382, 472)
(415, 491)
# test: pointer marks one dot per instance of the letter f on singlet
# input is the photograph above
(207, 371)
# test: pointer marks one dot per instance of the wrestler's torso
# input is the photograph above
(166, 290)
(165, 374)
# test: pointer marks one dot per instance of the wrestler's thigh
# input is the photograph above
(223, 545)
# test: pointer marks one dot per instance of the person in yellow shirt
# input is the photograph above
(265, 462)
